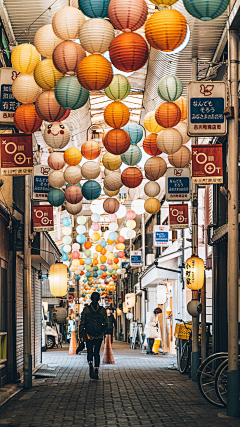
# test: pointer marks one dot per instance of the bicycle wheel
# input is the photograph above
(221, 381)
(207, 376)
(184, 359)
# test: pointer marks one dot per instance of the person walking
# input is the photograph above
(94, 323)
(111, 322)
(151, 330)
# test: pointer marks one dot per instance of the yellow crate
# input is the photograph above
(182, 331)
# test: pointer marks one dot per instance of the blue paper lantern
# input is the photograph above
(56, 197)
(113, 235)
(77, 277)
(91, 190)
(94, 8)
(70, 94)
(100, 242)
(115, 254)
(99, 272)
(95, 217)
(132, 156)
(61, 249)
(81, 238)
(79, 185)
(88, 274)
(135, 132)
(65, 257)
(95, 275)
(206, 10)
(104, 243)
(66, 221)
(88, 261)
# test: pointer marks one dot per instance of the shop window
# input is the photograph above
(3, 313)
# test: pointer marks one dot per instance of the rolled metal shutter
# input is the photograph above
(36, 318)
(19, 316)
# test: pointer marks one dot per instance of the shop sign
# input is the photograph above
(125, 264)
(178, 216)
(178, 184)
(207, 164)
(160, 235)
(16, 154)
(41, 186)
(43, 218)
(135, 258)
(206, 104)
(8, 104)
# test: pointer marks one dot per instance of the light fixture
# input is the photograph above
(58, 279)
(194, 273)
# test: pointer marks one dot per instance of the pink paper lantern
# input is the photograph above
(121, 239)
(75, 255)
(112, 217)
(102, 267)
(130, 214)
(109, 262)
(96, 226)
(127, 15)
(120, 254)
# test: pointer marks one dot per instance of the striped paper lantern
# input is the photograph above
(111, 161)
(116, 114)
(181, 158)
(111, 205)
(91, 190)
(152, 189)
(131, 177)
(168, 114)
(152, 205)
(150, 123)
(45, 41)
(94, 72)
(182, 128)
(127, 15)
(91, 170)
(70, 94)
(206, 10)
(90, 149)
(56, 197)
(169, 140)
(132, 156)
(48, 108)
(73, 194)
(56, 160)
(111, 193)
(73, 209)
(119, 88)
(67, 22)
(182, 104)
(24, 58)
(46, 75)
(128, 52)
(135, 132)
(150, 145)
(96, 35)
(72, 175)
(155, 167)
(25, 89)
(170, 88)
(113, 181)
(56, 135)
(67, 55)
(163, 3)
(26, 119)
(56, 179)
(94, 8)
(117, 141)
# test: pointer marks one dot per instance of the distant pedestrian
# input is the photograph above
(152, 330)
(94, 323)
(111, 322)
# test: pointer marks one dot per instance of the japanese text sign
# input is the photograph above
(16, 154)
(135, 258)
(41, 186)
(178, 216)
(178, 184)
(8, 104)
(207, 164)
(206, 104)
(43, 218)
(160, 235)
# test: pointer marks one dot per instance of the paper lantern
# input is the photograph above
(45, 40)
(66, 115)
(181, 158)
(206, 10)
(150, 145)
(91, 170)
(131, 224)
(81, 238)
(119, 88)
(81, 220)
(132, 156)
(138, 206)
(67, 55)
(94, 8)
(66, 231)
(46, 75)
(127, 15)
(169, 140)
(182, 104)
(26, 119)
(111, 161)
(120, 239)
(182, 128)
(96, 35)
(48, 108)
(73, 194)
(110, 193)
(58, 279)
(128, 52)
(72, 175)
(94, 72)
(152, 205)
(56, 179)
(111, 205)
(91, 149)
(168, 114)
(81, 229)
(67, 22)
(56, 160)
(121, 213)
(113, 225)
(113, 181)
(95, 217)
(117, 141)
(56, 135)
(150, 123)
(56, 197)
(97, 206)
(135, 132)
(96, 226)
(163, 3)
(95, 237)
(72, 156)
(25, 89)
(70, 94)
(73, 209)
(194, 273)
(91, 190)
(121, 254)
(66, 221)
(24, 58)
(131, 234)
(166, 30)
(155, 167)
(130, 215)
(152, 189)
(131, 177)
(170, 88)
(116, 114)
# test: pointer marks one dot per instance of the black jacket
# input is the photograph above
(111, 322)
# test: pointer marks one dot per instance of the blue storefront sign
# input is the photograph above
(41, 186)
(206, 110)
(7, 101)
(160, 235)
(135, 258)
(178, 184)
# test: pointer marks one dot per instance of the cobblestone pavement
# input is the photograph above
(138, 390)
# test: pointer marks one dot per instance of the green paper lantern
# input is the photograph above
(170, 88)
(70, 93)
(132, 156)
(91, 190)
(206, 10)
(119, 88)
(56, 197)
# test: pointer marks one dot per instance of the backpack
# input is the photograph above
(94, 322)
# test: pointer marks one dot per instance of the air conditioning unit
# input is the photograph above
(150, 259)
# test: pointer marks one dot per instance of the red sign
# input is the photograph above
(178, 216)
(43, 218)
(207, 164)
(16, 154)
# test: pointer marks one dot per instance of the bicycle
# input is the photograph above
(184, 359)
(221, 381)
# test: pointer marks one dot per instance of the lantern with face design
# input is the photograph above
(56, 135)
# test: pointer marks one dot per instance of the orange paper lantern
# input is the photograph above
(87, 245)
(117, 141)
(90, 149)
(104, 251)
(181, 158)
(168, 115)
(94, 72)
(128, 52)
(66, 57)
(48, 108)
(72, 156)
(182, 104)
(150, 145)
(152, 205)
(131, 177)
(155, 167)
(116, 114)
(26, 119)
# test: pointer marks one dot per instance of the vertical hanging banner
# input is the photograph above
(207, 164)
(178, 216)
(43, 218)
(160, 235)
(16, 154)
(135, 258)
(41, 186)
(8, 104)
(178, 184)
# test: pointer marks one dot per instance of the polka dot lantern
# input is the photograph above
(24, 58)
(128, 52)
(131, 177)
(119, 88)
(127, 15)
(56, 135)
(150, 123)
(72, 156)
(72, 175)
(67, 55)
(91, 170)
(155, 167)
(56, 160)
(181, 158)
(45, 40)
(67, 22)
(117, 141)
(48, 108)
(152, 205)
(116, 114)
(96, 35)
(91, 190)
(111, 205)
(135, 132)
(70, 94)
(25, 89)
(56, 197)
(182, 128)
(94, 8)
(170, 88)
(132, 156)
(73, 209)
(150, 145)
(90, 149)
(169, 140)
(113, 181)
(182, 104)
(94, 72)
(152, 189)
(26, 119)
(46, 75)
(168, 114)
(111, 161)
(205, 10)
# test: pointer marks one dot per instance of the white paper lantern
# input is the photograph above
(90, 170)
(56, 135)
(72, 175)
(169, 140)
(96, 35)
(113, 226)
(45, 41)
(67, 22)
(131, 234)
(181, 158)
(73, 209)
(152, 189)
(81, 229)
(66, 231)
(131, 224)
(124, 231)
(25, 89)
(97, 206)
(113, 181)
(182, 128)
(75, 247)
(110, 248)
(138, 206)
(56, 179)
(121, 211)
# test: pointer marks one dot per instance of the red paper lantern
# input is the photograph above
(26, 119)
(75, 255)
(150, 145)
(121, 239)
(168, 115)
(73, 194)
(131, 177)
(128, 52)
(111, 205)
(48, 108)
(117, 141)
(121, 254)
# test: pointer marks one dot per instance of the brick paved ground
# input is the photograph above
(138, 391)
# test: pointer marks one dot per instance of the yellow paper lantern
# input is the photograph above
(111, 161)
(110, 193)
(120, 247)
(110, 256)
(72, 156)
(67, 22)
(45, 41)
(131, 224)
(130, 300)
(150, 123)
(194, 273)
(58, 279)
(163, 3)
(75, 262)
(182, 104)
(152, 205)
(25, 89)
(95, 237)
(24, 58)
(46, 75)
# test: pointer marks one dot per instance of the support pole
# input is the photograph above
(27, 289)
(203, 323)
(143, 243)
(195, 319)
(77, 302)
(233, 374)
